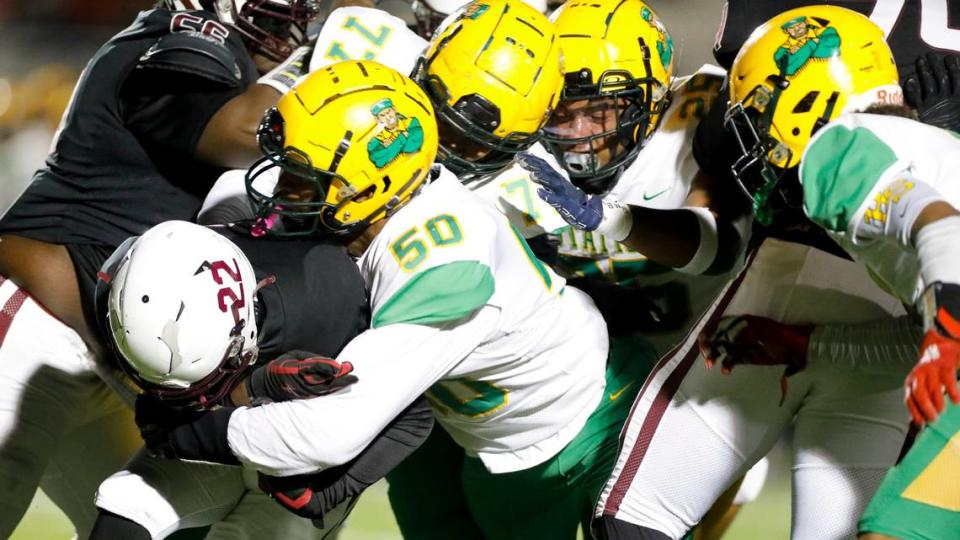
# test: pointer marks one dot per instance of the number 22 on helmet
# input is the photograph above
(354, 142)
(180, 311)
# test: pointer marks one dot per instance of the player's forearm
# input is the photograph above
(229, 138)
(888, 344)
(669, 237)
(304, 436)
(692, 240)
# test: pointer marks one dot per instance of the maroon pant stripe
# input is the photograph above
(663, 398)
(9, 311)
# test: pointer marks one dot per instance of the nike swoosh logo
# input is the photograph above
(616, 395)
(655, 195)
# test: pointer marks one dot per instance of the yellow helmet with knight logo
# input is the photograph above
(493, 75)
(617, 55)
(354, 141)
(794, 74)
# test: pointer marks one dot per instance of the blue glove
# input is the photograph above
(583, 211)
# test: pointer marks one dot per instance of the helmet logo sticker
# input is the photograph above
(807, 39)
(393, 134)
(474, 11)
(664, 41)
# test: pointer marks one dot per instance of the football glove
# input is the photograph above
(297, 375)
(759, 341)
(935, 90)
(936, 371)
(580, 210)
(585, 212)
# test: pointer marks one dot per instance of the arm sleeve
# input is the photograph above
(395, 364)
(888, 345)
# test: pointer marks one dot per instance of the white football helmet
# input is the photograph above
(180, 311)
(271, 27)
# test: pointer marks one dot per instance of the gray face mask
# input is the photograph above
(580, 163)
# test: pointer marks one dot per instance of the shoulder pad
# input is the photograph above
(357, 33)
(840, 166)
(198, 49)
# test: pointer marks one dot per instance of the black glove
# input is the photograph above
(935, 90)
(297, 375)
(184, 433)
(313, 496)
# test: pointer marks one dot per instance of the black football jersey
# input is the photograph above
(318, 302)
(123, 159)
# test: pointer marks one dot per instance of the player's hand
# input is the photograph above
(759, 341)
(935, 90)
(934, 374)
(156, 420)
(936, 371)
(297, 494)
(574, 206)
(297, 375)
(755, 340)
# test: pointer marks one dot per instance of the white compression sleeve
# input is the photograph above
(884, 345)
(709, 242)
(937, 251)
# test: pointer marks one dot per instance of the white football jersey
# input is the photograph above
(358, 33)
(659, 177)
(851, 193)
(512, 360)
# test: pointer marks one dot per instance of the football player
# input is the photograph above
(159, 112)
(348, 33)
(635, 502)
(515, 369)
(175, 295)
(880, 183)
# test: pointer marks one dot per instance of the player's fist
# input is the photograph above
(297, 375)
(297, 494)
(934, 374)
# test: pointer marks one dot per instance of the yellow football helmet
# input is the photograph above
(493, 75)
(618, 53)
(794, 74)
(355, 140)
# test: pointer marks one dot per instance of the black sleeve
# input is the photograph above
(180, 82)
(338, 485)
(169, 115)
